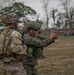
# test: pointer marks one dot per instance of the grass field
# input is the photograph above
(59, 58)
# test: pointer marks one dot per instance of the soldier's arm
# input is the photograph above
(41, 37)
(16, 43)
(45, 40)
(32, 41)
(40, 43)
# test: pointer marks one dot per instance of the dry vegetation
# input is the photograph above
(59, 58)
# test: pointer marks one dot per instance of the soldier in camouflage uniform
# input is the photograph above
(33, 43)
(40, 50)
(11, 46)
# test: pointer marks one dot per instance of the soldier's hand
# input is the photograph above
(54, 36)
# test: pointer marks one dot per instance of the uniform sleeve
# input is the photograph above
(41, 37)
(16, 43)
(32, 41)
(47, 42)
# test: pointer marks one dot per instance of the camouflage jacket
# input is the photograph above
(35, 41)
(15, 44)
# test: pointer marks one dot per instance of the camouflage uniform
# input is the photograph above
(33, 43)
(12, 48)
(40, 50)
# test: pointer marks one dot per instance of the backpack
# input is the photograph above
(5, 43)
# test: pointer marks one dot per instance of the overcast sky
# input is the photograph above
(37, 5)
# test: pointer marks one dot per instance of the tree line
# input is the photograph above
(63, 19)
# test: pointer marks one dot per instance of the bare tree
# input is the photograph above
(53, 15)
(68, 14)
(46, 10)
(60, 21)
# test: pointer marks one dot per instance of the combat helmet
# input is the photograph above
(9, 18)
(33, 25)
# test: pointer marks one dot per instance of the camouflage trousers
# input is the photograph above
(31, 70)
(13, 68)
(30, 64)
